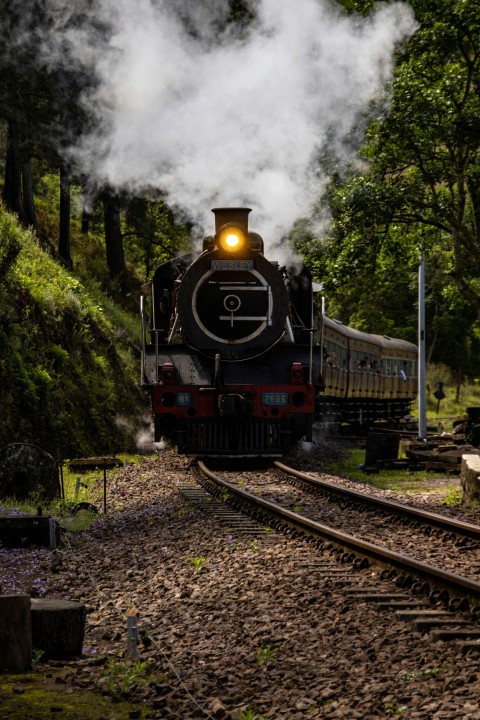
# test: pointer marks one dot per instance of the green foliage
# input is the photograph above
(351, 465)
(121, 676)
(9, 246)
(199, 564)
(459, 395)
(67, 373)
(37, 655)
(251, 715)
(417, 190)
(392, 709)
(453, 495)
(427, 672)
(38, 698)
(153, 233)
(266, 655)
(80, 522)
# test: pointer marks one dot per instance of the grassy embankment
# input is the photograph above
(69, 354)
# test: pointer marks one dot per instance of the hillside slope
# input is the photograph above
(69, 365)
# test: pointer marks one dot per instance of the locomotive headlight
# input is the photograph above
(231, 238)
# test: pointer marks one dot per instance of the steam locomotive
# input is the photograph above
(238, 360)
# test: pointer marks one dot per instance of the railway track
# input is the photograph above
(435, 599)
(415, 516)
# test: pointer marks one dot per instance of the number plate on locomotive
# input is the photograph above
(231, 264)
(275, 398)
(184, 398)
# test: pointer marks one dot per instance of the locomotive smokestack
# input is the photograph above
(237, 216)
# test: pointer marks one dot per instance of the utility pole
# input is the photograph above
(422, 375)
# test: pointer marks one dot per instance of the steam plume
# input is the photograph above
(218, 120)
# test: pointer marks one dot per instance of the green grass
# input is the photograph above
(44, 694)
(350, 464)
(69, 354)
(90, 490)
(121, 676)
(456, 401)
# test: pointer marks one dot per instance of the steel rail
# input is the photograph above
(440, 521)
(460, 585)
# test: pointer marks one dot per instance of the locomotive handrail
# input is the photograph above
(289, 331)
(144, 336)
(310, 369)
(173, 331)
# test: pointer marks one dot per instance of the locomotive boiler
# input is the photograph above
(238, 361)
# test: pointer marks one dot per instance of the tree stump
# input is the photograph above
(26, 470)
(15, 633)
(58, 627)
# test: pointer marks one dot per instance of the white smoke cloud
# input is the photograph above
(222, 121)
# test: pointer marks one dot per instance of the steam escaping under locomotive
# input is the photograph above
(238, 360)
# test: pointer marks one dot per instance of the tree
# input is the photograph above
(114, 240)
(154, 232)
(25, 95)
(12, 187)
(64, 216)
(420, 185)
(40, 103)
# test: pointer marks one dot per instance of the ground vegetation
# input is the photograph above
(68, 355)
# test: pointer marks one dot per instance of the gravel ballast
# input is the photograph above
(233, 624)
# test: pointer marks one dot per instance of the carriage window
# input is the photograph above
(409, 368)
(365, 362)
(334, 355)
(398, 366)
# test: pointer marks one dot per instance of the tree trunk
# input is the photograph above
(64, 222)
(12, 191)
(85, 226)
(87, 203)
(58, 627)
(459, 378)
(15, 633)
(114, 241)
(29, 213)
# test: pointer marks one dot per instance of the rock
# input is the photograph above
(217, 709)
(470, 478)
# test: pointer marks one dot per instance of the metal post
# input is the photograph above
(144, 337)
(52, 528)
(322, 335)
(132, 650)
(62, 484)
(310, 372)
(104, 489)
(422, 375)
